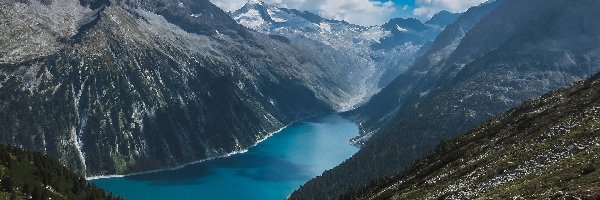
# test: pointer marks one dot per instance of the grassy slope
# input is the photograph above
(548, 147)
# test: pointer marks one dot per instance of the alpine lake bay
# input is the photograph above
(272, 169)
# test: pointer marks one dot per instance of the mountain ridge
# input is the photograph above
(443, 18)
(543, 148)
(390, 47)
(120, 89)
(467, 83)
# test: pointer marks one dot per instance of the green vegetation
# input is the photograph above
(31, 175)
(548, 148)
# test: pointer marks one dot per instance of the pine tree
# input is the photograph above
(36, 194)
(13, 195)
(45, 194)
(26, 189)
(7, 184)
(29, 175)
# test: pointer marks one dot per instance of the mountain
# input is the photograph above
(546, 148)
(381, 52)
(123, 86)
(384, 106)
(443, 18)
(31, 175)
(519, 50)
(405, 31)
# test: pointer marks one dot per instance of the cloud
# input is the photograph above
(427, 8)
(363, 12)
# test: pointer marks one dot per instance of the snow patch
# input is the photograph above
(251, 19)
(275, 13)
(422, 94)
(325, 27)
(76, 141)
(401, 29)
(374, 34)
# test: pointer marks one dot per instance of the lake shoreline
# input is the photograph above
(270, 170)
(90, 178)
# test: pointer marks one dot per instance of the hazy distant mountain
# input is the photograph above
(443, 18)
(113, 87)
(383, 52)
(384, 107)
(518, 51)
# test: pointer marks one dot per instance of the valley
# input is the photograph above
(285, 99)
(495, 57)
(125, 86)
(380, 52)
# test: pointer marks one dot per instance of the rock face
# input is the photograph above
(378, 54)
(546, 148)
(516, 51)
(121, 86)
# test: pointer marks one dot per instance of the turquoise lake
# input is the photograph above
(271, 170)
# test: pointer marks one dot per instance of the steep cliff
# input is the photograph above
(114, 87)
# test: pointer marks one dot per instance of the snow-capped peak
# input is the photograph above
(383, 50)
(253, 15)
(259, 2)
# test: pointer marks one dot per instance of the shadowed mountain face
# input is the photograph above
(443, 18)
(375, 55)
(515, 51)
(113, 87)
(546, 148)
(384, 106)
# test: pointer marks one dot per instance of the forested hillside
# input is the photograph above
(31, 175)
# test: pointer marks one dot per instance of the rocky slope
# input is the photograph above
(31, 175)
(518, 51)
(379, 53)
(547, 148)
(384, 106)
(121, 86)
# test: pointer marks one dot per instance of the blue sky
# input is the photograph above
(364, 12)
(404, 8)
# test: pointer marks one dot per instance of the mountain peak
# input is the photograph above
(405, 23)
(256, 2)
(253, 15)
(443, 18)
